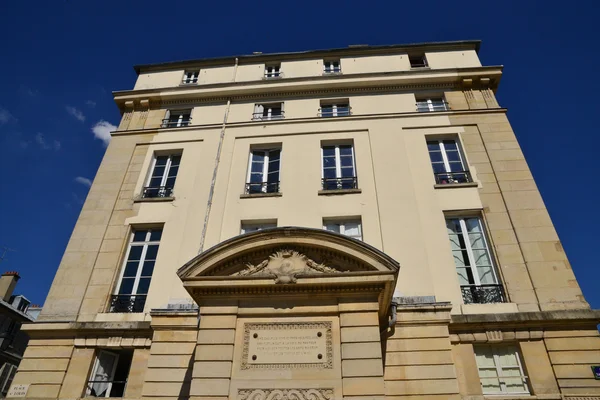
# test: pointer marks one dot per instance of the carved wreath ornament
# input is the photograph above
(285, 394)
(284, 266)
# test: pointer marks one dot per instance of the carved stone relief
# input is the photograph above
(285, 394)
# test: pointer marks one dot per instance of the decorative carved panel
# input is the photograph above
(285, 394)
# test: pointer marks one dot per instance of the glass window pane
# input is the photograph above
(352, 229)
(452, 155)
(126, 285)
(151, 252)
(456, 166)
(131, 268)
(258, 156)
(433, 145)
(135, 253)
(347, 161)
(173, 170)
(436, 156)
(473, 224)
(161, 160)
(155, 182)
(463, 276)
(143, 286)
(448, 144)
(175, 160)
(346, 150)
(332, 227)
(328, 151)
(148, 268)
(329, 173)
(170, 183)
(347, 172)
(139, 236)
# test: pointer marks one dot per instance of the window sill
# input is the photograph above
(338, 191)
(455, 185)
(507, 396)
(189, 84)
(418, 68)
(153, 199)
(258, 195)
(332, 73)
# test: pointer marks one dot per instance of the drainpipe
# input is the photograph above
(215, 170)
(392, 321)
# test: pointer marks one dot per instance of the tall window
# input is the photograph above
(190, 77)
(332, 66)
(177, 118)
(164, 174)
(432, 104)
(339, 171)
(447, 162)
(273, 71)
(263, 171)
(7, 374)
(254, 226)
(351, 228)
(500, 370)
(473, 261)
(337, 109)
(418, 61)
(110, 373)
(268, 112)
(136, 275)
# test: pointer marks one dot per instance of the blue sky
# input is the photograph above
(62, 58)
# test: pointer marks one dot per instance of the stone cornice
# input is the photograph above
(42, 330)
(539, 319)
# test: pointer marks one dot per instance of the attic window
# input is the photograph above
(418, 61)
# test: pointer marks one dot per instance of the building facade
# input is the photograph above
(353, 223)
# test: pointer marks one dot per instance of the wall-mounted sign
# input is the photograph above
(596, 371)
(18, 390)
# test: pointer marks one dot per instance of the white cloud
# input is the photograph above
(75, 113)
(102, 130)
(5, 116)
(91, 103)
(45, 145)
(84, 181)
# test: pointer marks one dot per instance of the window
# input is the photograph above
(500, 370)
(473, 261)
(177, 118)
(268, 112)
(109, 373)
(7, 374)
(263, 171)
(339, 171)
(337, 109)
(351, 228)
(273, 71)
(432, 104)
(248, 227)
(418, 61)
(332, 66)
(162, 180)
(447, 162)
(133, 286)
(190, 77)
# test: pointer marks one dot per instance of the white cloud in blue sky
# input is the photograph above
(45, 144)
(102, 130)
(75, 113)
(84, 181)
(5, 116)
(91, 103)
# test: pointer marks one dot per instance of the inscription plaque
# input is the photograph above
(287, 345)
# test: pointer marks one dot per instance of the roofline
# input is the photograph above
(352, 49)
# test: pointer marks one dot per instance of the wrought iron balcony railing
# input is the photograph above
(339, 183)
(106, 388)
(326, 112)
(157, 191)
(449, 178)
(483, 294)
(425, 106)
(127, 303)
(279, 114)
(262, 187)
(273, 75)
(168, 123)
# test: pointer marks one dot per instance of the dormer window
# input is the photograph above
(418, 61)
(273, 71)
(190, 77)
(332, 67)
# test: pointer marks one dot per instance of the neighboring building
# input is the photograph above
(14, 311)
(318, 207)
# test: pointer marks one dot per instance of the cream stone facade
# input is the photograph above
(352, 223)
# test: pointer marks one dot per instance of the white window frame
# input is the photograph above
(188, 77)
(275, 73)
(163, 181)
(260, 115)
(180, 119)
(430, 101)
(342, 223)
(338, 160)
(246, 226)
(334, 108)
(469, 248)
(445, 156)
(265, 171)
(95, 370)
(331, 69)
(140, 266)
(423, 58)
(499, 371)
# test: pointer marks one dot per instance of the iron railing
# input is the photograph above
(339, 183)
(273, 75)
(279, 114)
(168, 123)
(449, 178)
(483, 294)
(106, 388)
(342, 111)
(127, 303)
(151, 192)
(262, 187)
(440, 105)
(332, 70)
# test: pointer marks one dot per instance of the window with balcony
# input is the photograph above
(350, 227)
(162, 179)
(332, 67)
(109, 373)
(273, 71)
(268, 112)
(500, 370)
(432, 104)
(339, 168)
(136, 273)
(339, 108)
(177, 118)
(418, 61)
(263, 171)
(448, 162)
(477, 275)
(190, 77)
(248, 227)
